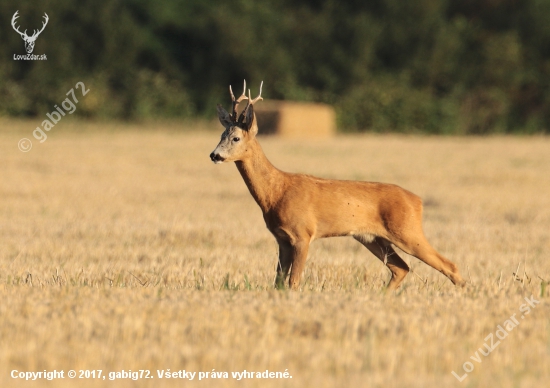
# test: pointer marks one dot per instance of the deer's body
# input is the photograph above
(295, 204)
(299, 208)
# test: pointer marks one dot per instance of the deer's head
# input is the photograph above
(29, 40)
(239, 129)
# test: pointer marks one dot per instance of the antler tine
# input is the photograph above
(237, 101)
(259, 95)
(251, 102)
(15, 16)
(44, 23)
(243, 96)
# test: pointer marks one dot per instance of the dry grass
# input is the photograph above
(126, 248)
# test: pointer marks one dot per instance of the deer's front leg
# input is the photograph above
(285, 261)
(299, 256)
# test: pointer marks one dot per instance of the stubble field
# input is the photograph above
(124, 248)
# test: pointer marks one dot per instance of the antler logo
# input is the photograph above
(29, 40)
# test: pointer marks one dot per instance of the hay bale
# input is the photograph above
(295, 119)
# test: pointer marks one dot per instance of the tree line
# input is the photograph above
(447, 66)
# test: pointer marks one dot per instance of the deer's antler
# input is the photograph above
(36, 33)
(15, 16)
(237, 101)
(24, 34)
(251, 102)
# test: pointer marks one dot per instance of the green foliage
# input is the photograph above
(464, 67)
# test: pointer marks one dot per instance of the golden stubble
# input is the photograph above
(124, 247)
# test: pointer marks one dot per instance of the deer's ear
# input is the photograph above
(224, 117)
(251, 123)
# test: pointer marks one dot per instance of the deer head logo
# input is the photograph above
(29, 40)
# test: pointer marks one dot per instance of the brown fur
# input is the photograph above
(299, 208)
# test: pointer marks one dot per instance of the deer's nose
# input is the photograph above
(216, 157)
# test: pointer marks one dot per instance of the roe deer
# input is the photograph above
(299, 208)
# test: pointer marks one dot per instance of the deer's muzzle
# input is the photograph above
(216, 158)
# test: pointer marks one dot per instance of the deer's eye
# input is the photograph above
(236, 139)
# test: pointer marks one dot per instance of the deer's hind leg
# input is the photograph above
(406, 233)
(382, 249)
(420, 248)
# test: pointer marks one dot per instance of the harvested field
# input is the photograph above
(124, 248)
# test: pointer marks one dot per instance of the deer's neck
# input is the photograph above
(265, 182)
